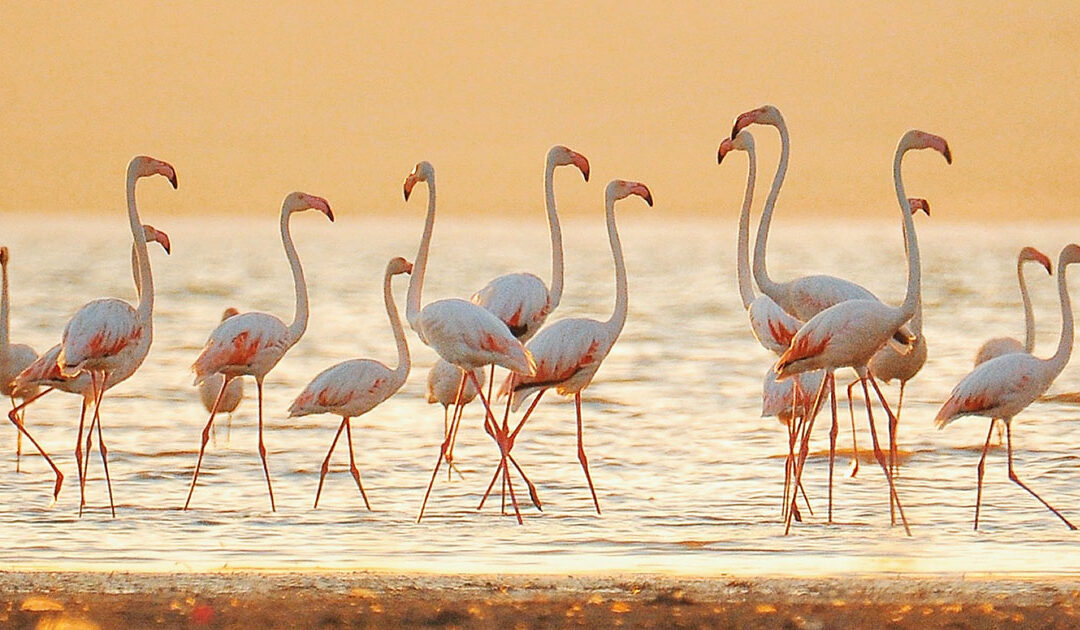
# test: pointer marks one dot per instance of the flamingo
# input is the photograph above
(45, 372)
(1005, 385)
(108, 335)
(849, 333)
(353, 388)
(1007, 345)
(211, 386)
(462, 333)
(569, 352)
(253, 343)
(14, 357)
(442, 387)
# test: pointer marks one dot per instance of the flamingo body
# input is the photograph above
(568, 354)
(998, 388)
(443, 381)
(997, 347)
(520, 300)
(349, 388)
(19, 357)
(103, 335)
(846, 334)
(470, 336)
(245, 344)
(779, 396)
(772, 326)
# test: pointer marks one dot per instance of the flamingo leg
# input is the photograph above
(789, 461)
(507, 455)
(104, 450)
(446, 445)
(834, 430)
(513, 498)
(326, 462)
(78, 453)
(877, 447)
(18, 435)
(854, 439)
(804, 448)
(1012, 475)
(450, 437)
(205, 439)
(894, 428)
(581, 451)
(85, 463)
(981, 469)
(352, 464)
(262, 445)
(12, 415)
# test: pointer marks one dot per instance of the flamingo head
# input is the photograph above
(154, 235)
(143, 166)
(764, 115)
(916, 139)
(1069, 255)
(298, 202)
(619, 188)
(559, 155)
(3, 256)
(742, 141)
(229, 312)
(918, 203)
(422, 172)
(398, 265)
(1032, 254)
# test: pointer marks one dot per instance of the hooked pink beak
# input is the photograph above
(320, 204)
(642, 191)
(725, 148)
(410, 181)
(408, 268)
(581, 162)
(1030, 253)
(168, 172)
(744, 120)
(163, 240)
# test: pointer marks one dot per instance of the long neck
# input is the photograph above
(300, 317)
(768, 287)
(911, 244)
(618, 316)
(135, 270)
(555, 294)
(416, 281)
(144, 281)
(1029, 316)
(1064, 350)
(402, 369)
(4, 312)
(746, 284)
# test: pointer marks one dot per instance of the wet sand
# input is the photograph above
(376, 600)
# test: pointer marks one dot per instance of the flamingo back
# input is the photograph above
(443, 381)
(348, 389)
(470, 336)
(249, 343)
(568, 353)
(843, 335)
(100, 335)
(520, 300)
(998, 388)
(811, 295)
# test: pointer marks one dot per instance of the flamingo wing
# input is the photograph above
(469, 335)
(998, 388)
(772, 326)
(349, 388)
(520, 300)
(250, 343)
(99, 330)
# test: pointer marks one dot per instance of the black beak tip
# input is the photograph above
(172, 180)
(648, 199)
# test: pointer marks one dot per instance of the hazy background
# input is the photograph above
(250, 100)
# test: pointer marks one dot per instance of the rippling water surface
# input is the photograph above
(688, 475)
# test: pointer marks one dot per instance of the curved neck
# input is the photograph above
(402, 369)
(761, 275)
(746, 284)
(911, 244)
(4, 323)
(555, 293)
(144, 282)
(1029, 316)
(300, 316)
(416, 281)
(135, 270)
(618, 316)
(1064, 350)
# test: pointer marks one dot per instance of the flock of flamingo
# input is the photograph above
(815, 324)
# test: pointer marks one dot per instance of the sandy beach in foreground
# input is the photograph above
(381, 600)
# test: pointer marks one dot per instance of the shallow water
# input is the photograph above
(689, 477)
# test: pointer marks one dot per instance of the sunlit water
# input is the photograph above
(688, 475)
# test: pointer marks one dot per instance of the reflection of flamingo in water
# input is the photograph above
(443, 381)
(253, 343)
(14, 358)
(569, 352)
(1005, 385)
(849, 333)
(107, 336)
(210, 387)
(44, 372)
(355, 387)
(464, 334)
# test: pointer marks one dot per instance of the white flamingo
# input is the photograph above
(355, 387)
(108, 336)
(1005, 385)
(14, 358)
(569, 352)
(44, 372)
(849, 333)
(253, 343)
(443, 381)
(462, 333)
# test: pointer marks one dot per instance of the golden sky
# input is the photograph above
(251, 100)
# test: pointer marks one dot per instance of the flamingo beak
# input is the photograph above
(643, 191)
(743, 121)
(163, 239)
(408, 268)
(410, 181)
(582, 163)
(725, 148)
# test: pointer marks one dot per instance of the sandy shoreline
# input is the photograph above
(367, 599)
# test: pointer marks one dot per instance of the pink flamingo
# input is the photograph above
(45, 372)
(849, 333)
(1005, 385)
(107, 335)
(1007, 345)
(443, 381)
(253, 343)
(210, 387)
(355, 387)
(462, 333)
(569, 352)
(14, 357)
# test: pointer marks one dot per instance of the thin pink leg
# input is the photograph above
(804, 449)
(894, 428)
(507, 456)
(262, 445)
(854, 438)
(981, 469)
(326, 462)
(78, 453)
(834, 430)
(445, 447)
(206, 438)
(452, 436)
(581, 451)
(1012, 475)
(878, 454)
(352, 464)
(22, 429)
